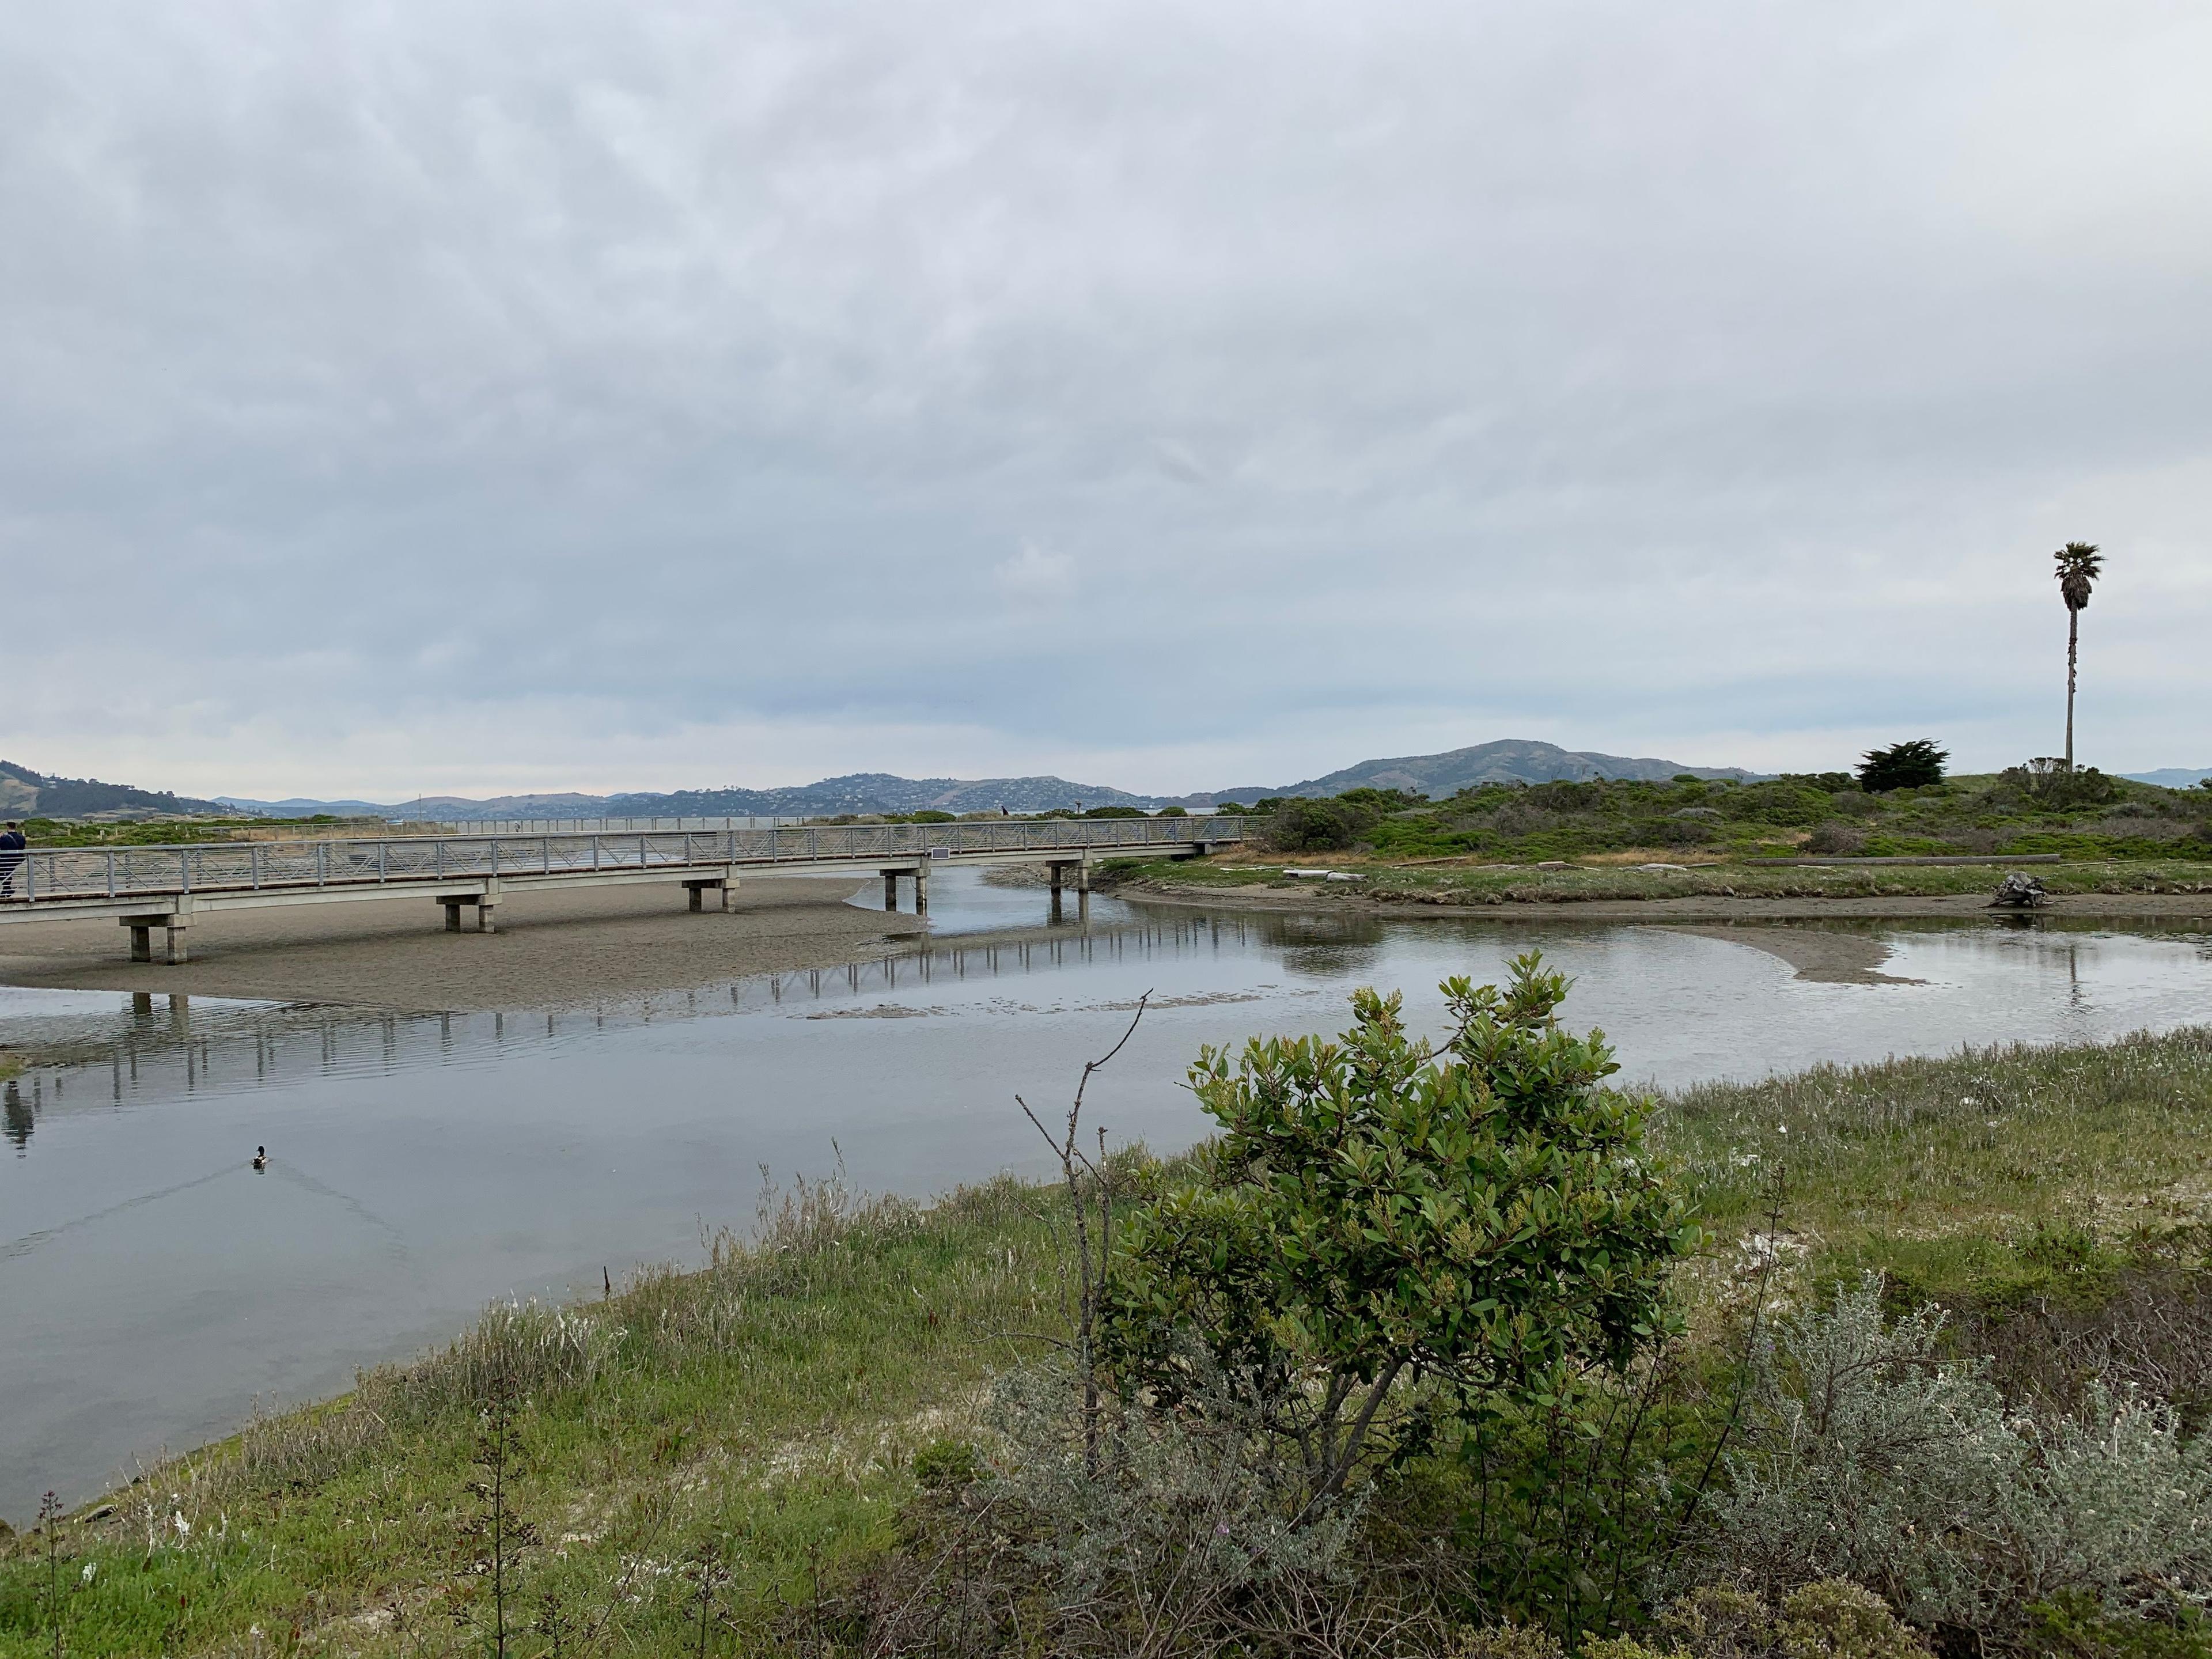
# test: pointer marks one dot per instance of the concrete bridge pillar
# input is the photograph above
(921, 890)
(172, 923)
(890, 890)
(726, 884)
(486, 903)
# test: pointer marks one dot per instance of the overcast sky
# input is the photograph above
(478, 397)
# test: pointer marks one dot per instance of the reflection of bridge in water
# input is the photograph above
(160, 1046)
(145, 888)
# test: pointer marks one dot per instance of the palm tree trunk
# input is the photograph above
(2073, 643)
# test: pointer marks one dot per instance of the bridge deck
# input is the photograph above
(146, 887)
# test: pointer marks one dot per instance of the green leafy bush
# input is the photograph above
(2048, 783)
(1386, 1236)
(1316, 826)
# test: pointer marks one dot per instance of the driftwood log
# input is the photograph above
(2019, 892)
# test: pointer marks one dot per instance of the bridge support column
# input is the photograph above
(890, 890)
(485, 903)
(921, 890)
(726, 884)
(176, 952)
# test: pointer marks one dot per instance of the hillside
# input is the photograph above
(1510, 760)
(24, 792)
(859, 792)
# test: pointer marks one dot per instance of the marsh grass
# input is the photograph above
(762, 1413)
(1457, 885)
(2046, 1165)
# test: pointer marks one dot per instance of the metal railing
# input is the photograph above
(58, 873)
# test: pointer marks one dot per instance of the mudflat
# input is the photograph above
(553, 949)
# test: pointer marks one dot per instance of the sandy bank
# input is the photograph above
(553, 949)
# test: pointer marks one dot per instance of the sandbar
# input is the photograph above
(553, 949)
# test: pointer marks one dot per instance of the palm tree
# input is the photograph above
(2079, 564)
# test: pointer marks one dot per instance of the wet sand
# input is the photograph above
(1824, 958)
(553, 949)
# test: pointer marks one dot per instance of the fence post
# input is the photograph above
(111, 872)
(253, 857)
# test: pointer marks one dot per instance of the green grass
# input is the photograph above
(1487, 884)
(774, 1400)
(1990, 814)
(1945, 1170)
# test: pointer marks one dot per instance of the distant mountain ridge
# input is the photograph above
(1509, 760)
(24, 792)
(858, 792)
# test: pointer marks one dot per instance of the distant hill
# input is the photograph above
(24, 792)
(860, 791)
(2171, 777)
(1510, 760)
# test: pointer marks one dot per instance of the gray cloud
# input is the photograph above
(552, 394)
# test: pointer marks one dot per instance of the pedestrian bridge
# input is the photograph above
(147, 888)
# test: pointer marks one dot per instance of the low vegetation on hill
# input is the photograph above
(1450, 1352)
(2085, 814)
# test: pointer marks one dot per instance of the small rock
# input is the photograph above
(2019, 892)
(1555, 864)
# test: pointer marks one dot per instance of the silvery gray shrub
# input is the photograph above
(1869, 1456)
(1172, 1511)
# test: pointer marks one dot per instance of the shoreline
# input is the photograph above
(553, 949)
(1660, 911)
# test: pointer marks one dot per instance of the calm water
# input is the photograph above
(152, 1284)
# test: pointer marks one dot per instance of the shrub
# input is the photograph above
(2048, 782)
(1872, 1458)
(1836, 840)
(1911, 765)
(1477, 1223)
(1314, 826)
(1143, 1538)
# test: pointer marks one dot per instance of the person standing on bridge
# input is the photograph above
(12, 845)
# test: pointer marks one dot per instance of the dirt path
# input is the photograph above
(553, 949)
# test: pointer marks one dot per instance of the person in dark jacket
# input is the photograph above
(11, 855)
